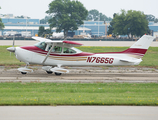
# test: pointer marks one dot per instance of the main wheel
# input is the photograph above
(57, 73)
(49, 72)
(23, 73)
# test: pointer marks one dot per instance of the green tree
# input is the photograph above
(66, 15)
(44, 33)
(111, 28)
(45, 20)
(94, 15)
(130, 23)
(1, 24)
(150, 17)
(41, 31)
(156, 20)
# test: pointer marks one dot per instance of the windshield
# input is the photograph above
(41, 45)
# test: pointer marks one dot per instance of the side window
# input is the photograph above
(57, 49)
(68, 50)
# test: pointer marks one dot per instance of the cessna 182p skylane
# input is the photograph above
(54, 54)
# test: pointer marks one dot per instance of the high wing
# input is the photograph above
(40, 39)
(64, 42)
(57, 69)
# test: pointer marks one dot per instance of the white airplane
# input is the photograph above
(55, 54)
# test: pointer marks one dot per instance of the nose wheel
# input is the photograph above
(25, 70)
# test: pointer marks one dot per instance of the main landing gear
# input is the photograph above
(58, 74)
(50, 72)
(57, 70)
(23, 73)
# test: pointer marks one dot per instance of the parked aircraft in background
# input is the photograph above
(55, 54)
(58, 35)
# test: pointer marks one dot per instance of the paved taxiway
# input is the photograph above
(83, 75)
(78, 113)
(85, 43)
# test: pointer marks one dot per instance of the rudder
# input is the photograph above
(139, 48)
(144, 42)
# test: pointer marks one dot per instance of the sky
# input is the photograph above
(36, 9)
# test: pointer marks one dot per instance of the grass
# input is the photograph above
(150, 58)
(8, 58)
(79, 94)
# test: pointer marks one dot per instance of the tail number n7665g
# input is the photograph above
(100, 60)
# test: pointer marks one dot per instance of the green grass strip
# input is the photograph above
(79, 94)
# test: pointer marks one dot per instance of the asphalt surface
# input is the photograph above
(85, 43)
(83, 75)
(78, 113)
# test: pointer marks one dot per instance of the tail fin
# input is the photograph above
(144, 42)
(138, 49)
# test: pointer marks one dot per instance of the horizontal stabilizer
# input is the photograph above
(135, 62)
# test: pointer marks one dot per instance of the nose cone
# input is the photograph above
(11, 49)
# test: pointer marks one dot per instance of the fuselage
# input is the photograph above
(35, 55)
(55, 54)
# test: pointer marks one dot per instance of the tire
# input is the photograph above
(49, 72)
(58, 74)
(23, 73)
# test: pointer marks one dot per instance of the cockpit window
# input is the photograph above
(41, 45)
(68, 50)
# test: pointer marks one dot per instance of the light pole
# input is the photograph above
(98, 24)
(26, 27)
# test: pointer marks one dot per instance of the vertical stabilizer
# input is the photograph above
(144, 42)
(139, 48)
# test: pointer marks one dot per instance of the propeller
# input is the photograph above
(12, 49)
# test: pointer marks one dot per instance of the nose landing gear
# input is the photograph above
(25, 70)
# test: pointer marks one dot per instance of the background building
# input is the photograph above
(29, 27)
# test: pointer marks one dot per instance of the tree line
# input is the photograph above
(1, 24)
(131, 23)
(68, 15)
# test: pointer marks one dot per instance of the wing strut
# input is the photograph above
(48, 54)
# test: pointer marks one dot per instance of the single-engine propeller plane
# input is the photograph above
(55, 54)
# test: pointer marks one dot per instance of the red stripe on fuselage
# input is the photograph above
(38, 50)
(137, 51)
(129, 51)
